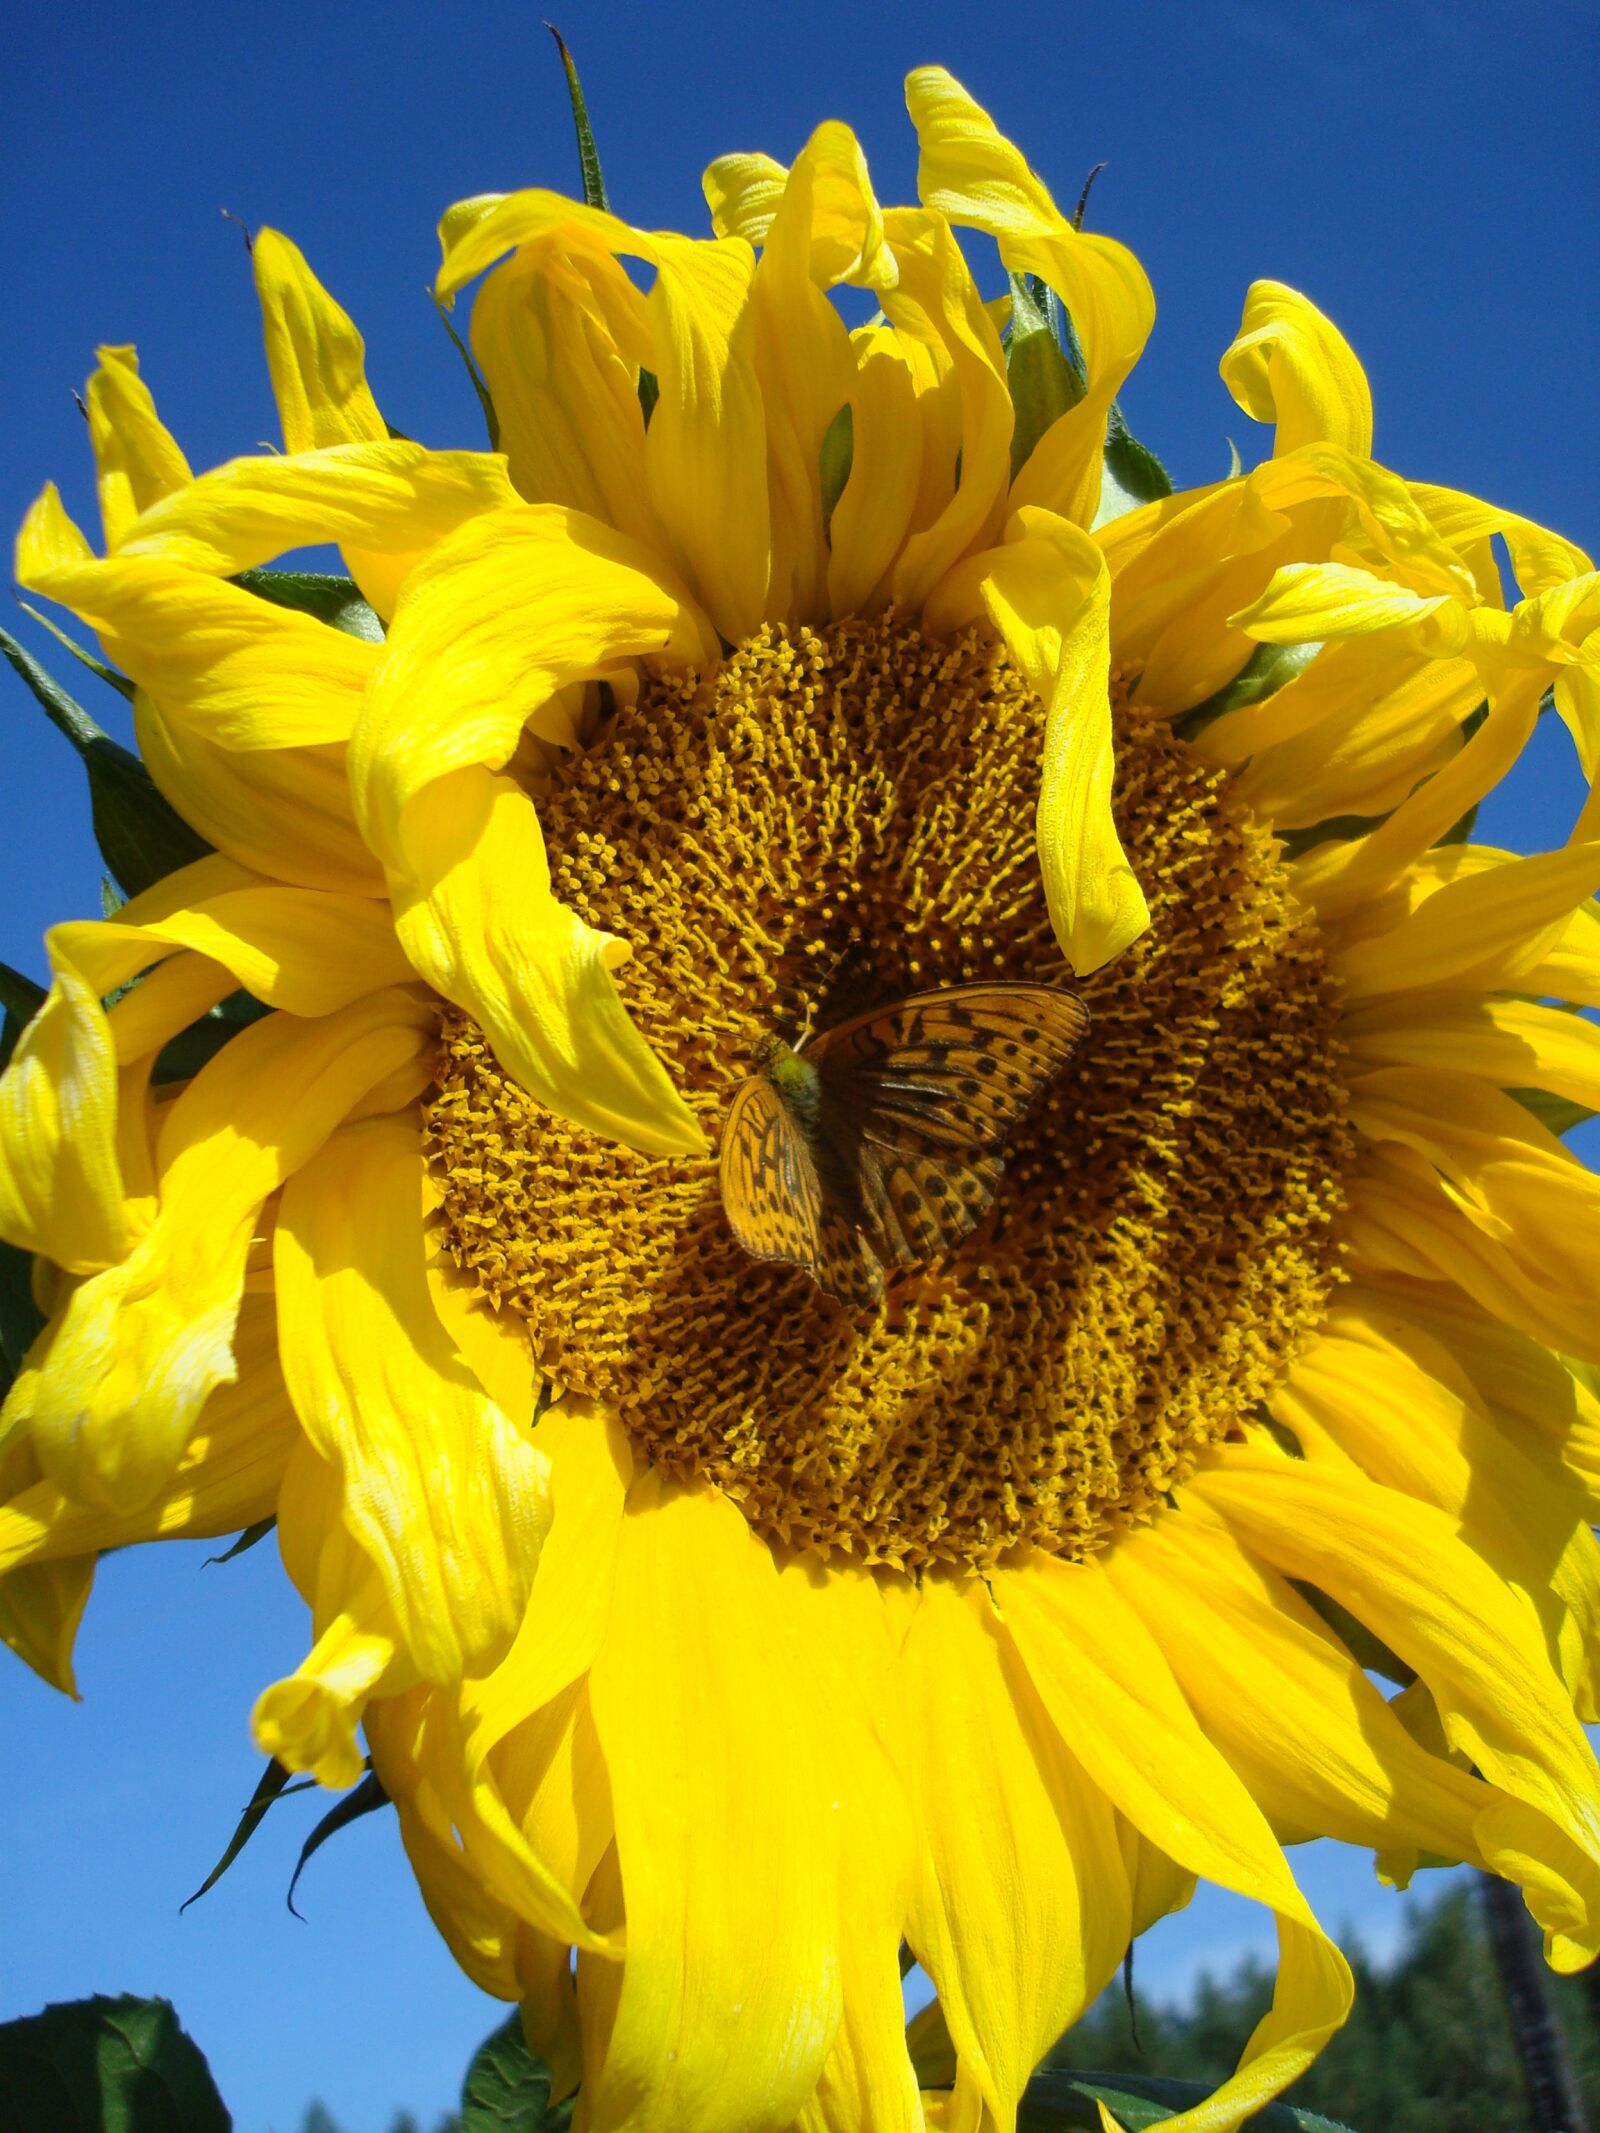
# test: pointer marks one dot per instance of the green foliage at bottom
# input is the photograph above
(105, 2066)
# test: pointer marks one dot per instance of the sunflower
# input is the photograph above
(716, 1641)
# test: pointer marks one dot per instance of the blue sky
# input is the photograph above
(1423, 168)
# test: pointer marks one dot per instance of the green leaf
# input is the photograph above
(507, 2090)
(1071, 2101)
(330, 598)
(491, 421)
(1133, 475)
(141, 836)
(108, 675)
(1044, 383)
(275, 1784)
(838, 450)
(1557, 1114)
(363, 1799)
(106, 2066)
(649, 394)
(594, 184)
(243, 1542)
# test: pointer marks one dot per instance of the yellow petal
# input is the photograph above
(972, 175)
(127, 1364)
(137, 459)
(705, 453)
(867, 2084)
(1416, 1425)
(905, 419)
(1504, 920)
(316, 358)
(1291, 366)
(497, 619)
(1340, 873)
(385, 504)
(446, 1496)
(1102, 1677)
(41, 1605)
(1021, 1913)
(1048, 594)
(242, 671)
(823, 221)
(227, 1478)
(61, 1185)
(1540, 558)
(1331, 600)
(936, 302)
(728, 1999)
(1369, 760)
(591, 1468)
(1315, 1743)
(561, 335)
(283, 812)
(1531, 1207)
(1515, 1044)
(1413, 1581)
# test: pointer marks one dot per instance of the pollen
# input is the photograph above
(826, 821)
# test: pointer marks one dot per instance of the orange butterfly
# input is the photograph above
(880, 1142)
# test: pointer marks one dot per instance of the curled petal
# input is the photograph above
(1291, 366)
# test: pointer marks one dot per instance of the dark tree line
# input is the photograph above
(1427, 2049)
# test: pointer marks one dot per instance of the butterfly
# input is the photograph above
(880, 1142)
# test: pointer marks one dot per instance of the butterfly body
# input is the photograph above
(880, 1142)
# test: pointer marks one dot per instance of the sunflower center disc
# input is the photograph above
(833, 819)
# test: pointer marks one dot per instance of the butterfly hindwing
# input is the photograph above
(777, 1205)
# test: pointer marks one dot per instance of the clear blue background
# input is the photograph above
(1424, 168)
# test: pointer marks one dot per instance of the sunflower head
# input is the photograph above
(774, 685)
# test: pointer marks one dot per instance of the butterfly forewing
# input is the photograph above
(904, 1154)
(950, 1069)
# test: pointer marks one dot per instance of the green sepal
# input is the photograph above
(106, 2066)
(1131, 475)
(364, 1798)
(838, 451)
(491, 421)
(109, 675)
(1367, 1649)
(649, 394)
(330, 598)
(1042, 379)
(243, 1542)
(594, 184)
(1557, 1114)
(507, 2090)
(142, 837)
(276, 1783)
(182, 1057)
(1060, 2102)
(1264, 673)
